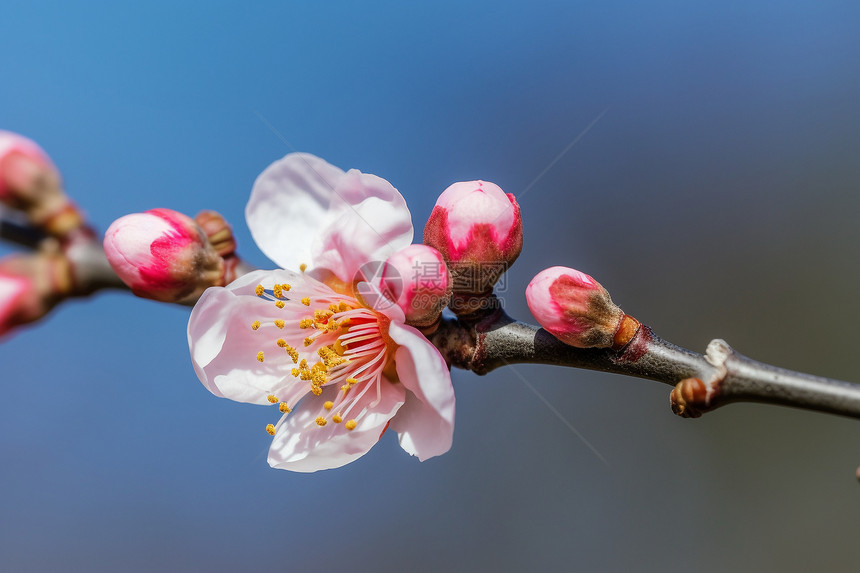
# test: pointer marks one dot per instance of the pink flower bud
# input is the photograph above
(162, 255)
(577, 310)
(30, 286)
(416, 278)
(20, 162)
(479, 231)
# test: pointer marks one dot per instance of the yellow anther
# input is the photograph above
(345, 322)
(309, 341)
(260, 356)
(332, 325)
(319, 378)
(328, 405)
(255, 325)
(277, 291)
(279, 323)
(284, 408)
(333, 307)
(282, 343)
(345, 388)
(271, 429)
(295, 372)
(279, 304)
(351, 381)
(321, 421)
(337, 418)
(303, 364)
(316, 390)
(259, 290)
(294, 354)
(306, 323)
(272, 399)
(285, 286)
(306, 301)
(303, 267)
(338, 347)
(350, 425)
(305, 374)
(343, 307)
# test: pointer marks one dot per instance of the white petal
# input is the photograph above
(376, 224)
(303, 446)
(289, 203)
(224, 347)
(426, 422)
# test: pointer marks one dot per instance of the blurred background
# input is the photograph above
(715, 195)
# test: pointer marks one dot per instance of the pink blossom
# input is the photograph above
(479, 231)
(161, 254)
(15, 292)
(20, 159)
(416, 278)
(302, 341)
(573, 307)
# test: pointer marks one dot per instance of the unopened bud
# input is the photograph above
(479, 231)
(30, 286)
(30, 182)
(162, 255)
(416, 279)
(577, 310)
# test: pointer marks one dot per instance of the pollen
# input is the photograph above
(271, 429)
(321, 421)
(259, 290)
(343, 307)
(282, 343)
(337, 418)
(295, 372)
(328, 405)
(272, 399)
(303, 267)
(309, 341)
(332, 326)
(303, 364)
(338, 347)
(306, 323)
(280, 304)
(285, 286)
(350, 425)
(284, 408)
(278, 291)
(306, 301)
(316, 390)
(351, 381)
(255, 325)
(260, 356)
(280, 323)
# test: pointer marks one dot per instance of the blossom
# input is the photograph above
(306, 341)
(479, 230)
(416, 279)
(162, 254)
(577, 310)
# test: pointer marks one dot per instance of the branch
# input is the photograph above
(491, 339)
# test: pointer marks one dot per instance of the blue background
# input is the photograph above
(715, 197)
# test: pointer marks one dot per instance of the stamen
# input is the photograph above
(350, 425)
(316, 390)
(306, 301)
(337, 418)
(272, 399)
(303, 267)
(259, 290)
(280, 323)
(255, 325)
(306, 323)
(279, 304)
(271, 429)
(260, 356)
(321, 421)
(328, 405)
(284, 408)
(282, 343)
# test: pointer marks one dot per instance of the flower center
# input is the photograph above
(331, 340)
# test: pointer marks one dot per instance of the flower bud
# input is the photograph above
(478, 230)
(162, 255)
(31, 183)
(30, 286)
(416, 279)
(577, 310)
